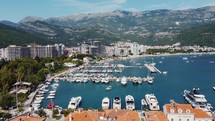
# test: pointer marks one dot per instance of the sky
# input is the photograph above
(15, 10)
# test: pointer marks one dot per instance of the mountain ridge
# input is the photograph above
(153, 27)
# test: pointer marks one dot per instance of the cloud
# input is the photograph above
(119, 1)
(84, 6)
(157, 6)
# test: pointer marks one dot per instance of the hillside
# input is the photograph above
(203, 35)
(156, 27)
(10, 35)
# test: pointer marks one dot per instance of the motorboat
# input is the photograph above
(50, 105)
(50, 97)
(150, 79)
(152, 102)
(109, 88)
(124, 80)
(74, 102)
(117, 103)
(197, 100)
(129, 102)
(105, 103)
(164, 72)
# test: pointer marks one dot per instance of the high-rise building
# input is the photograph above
(12, 52)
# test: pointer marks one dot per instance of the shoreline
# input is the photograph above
(108, 60)
(150, 55)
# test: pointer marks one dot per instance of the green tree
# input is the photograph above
(7, 100)
(42, 113)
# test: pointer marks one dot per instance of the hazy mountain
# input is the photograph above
(5, 22)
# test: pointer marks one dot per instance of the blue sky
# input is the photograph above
(15, 10)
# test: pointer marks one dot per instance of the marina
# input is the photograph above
(170, 85)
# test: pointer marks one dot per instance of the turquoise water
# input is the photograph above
(199, 71)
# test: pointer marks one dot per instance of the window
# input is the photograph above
(179, 119)
(172, 119)
(188, 119)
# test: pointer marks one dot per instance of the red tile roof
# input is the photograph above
(155, 116)
(178, 108)
(201, 114)
(27, 118)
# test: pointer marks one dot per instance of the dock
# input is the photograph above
(152, 68)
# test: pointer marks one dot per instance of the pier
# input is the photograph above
(152, 68)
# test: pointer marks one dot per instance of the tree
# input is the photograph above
(42, 113)
(7, 101)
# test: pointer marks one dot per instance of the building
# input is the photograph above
(13, 52)
(184, 112)
(21, 87)
(155, 116)
(31, 51)
(43, 51)
(135, 48)
(27, 118)
(107, 115)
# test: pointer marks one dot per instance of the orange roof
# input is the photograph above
(201, 114)
(27, 118)
(178, 107)
(84, 116)
(122, 115)
(155, 116)
(118, 115)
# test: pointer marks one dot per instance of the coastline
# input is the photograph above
(151, 55)
(108, 60)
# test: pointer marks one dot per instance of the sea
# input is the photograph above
(183, 72)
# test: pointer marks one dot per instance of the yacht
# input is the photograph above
(129, 102)
(50, 97)
(150, 79)
(152, 102)
(213, 88)
(109, 88)
(164, 72)
(116, 103)
(196, 99)
(105, 103)
(74, 102)
(117, 80)
(124, 80)
(143, 102)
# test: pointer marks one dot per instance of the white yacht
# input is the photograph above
(124, 80)
(105, 103)
(117, 103)
(108, 88)
(50, 97)
(117, 80)
(152, 102)
(197, 100)
(143, 102)
(74, 102)
(129, 102)
(150, 79)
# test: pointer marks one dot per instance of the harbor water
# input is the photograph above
(183, 72)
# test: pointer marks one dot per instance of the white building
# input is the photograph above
(135, 48)
(3, 53)
(184, 112)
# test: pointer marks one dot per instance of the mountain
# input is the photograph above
(10, 35)
(156, 27)
(203, 35)
(5, 22)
